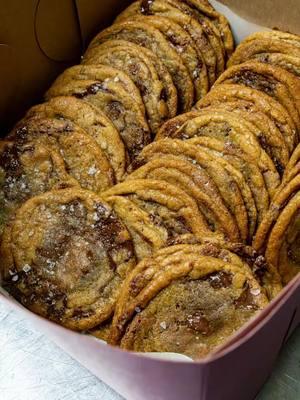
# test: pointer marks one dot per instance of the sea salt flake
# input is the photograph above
(26, 268)
(96, 217)
(92, 170)
(137, 309)
(15, 278)
(163, 325)
(50, 264)
(255, 292)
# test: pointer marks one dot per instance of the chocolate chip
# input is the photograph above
(246, 299)
(163, 95)
(146, 7)
(198, 323)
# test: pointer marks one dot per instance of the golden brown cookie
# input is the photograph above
(286, 61)
(27, 170)
(285, 193)
(102, 86)
(244, 257)
(169, 93)
(141, 69)
(282, 249)
(235, 132)
(167, 205)
(170, 127)
(224, 181)
(65, 257)
(184, 45)
(148, 36)
(93, 121)
(90, 168)
(275, 35)
(266, 132)
(268, 43)
(293, 167)
(194, 181)
(202, 8)
(205, 34)
(274, 81)
(147, 235)
(266, 104)
(186, 304)
(179, 13)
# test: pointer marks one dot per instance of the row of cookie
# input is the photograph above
(164, 54)
(100, 115)
(67, 253)
(190, 37)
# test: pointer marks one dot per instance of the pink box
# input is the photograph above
(239, 369)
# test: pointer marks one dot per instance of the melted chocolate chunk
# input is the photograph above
(246, 299)
(256, 261)
(163, 95)
(198, 323)
(9, 161)
(146, 7)
(255, 81)
(219, 280)
(211, 250)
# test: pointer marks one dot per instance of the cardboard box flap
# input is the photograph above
(40, 39)
(94, 15)
(57, 30)
(279, 14)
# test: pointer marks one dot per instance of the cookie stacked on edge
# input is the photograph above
(98, 116)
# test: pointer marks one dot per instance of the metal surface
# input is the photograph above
(34, 368)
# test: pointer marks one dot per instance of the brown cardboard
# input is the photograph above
(43, 38)
(280, 14)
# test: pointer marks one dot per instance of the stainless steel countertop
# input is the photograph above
(34, 368)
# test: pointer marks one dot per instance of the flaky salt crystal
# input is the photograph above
(255, 292)
(96, 217)
(15, 278)
(92, 170)
(163, 325)
(26, 268)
